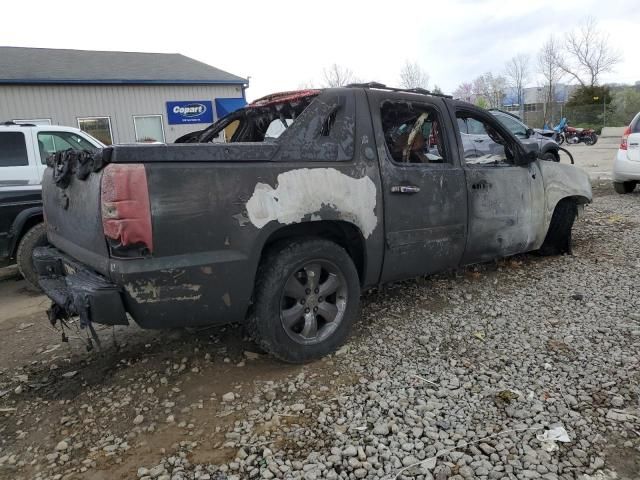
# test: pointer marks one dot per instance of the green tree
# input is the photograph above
(482, 102)
(590, 95)
(590, 107)
(625, 105)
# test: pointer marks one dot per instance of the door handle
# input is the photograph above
(405, 189)
(478, 140)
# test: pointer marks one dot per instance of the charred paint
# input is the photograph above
(151, 292)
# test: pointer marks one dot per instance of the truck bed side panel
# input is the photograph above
(211, 221)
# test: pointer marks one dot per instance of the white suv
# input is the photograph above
(626, 166)
(23, 151)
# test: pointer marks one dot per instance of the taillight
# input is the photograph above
(625, 136)
(126, 213)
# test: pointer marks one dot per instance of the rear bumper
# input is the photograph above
(624, 169)
(77, 291)
(190, 290)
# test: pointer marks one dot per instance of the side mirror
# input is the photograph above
(530, 151)
(529, 132)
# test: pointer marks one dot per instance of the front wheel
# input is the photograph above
(624, 187)
(550, 157)
(558, 239)
(560, 139)
(306, 300)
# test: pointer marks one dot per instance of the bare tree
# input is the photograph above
(412, 76)
(589, 54)
(338, 76)
(497, 87)
(549, 59)
(516, 71)
(490, 88)
(464, 92)
(306, 85)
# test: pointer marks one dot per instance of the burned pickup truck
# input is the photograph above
(279, 214)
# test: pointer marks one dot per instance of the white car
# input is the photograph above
(626, 167)
(23, 151)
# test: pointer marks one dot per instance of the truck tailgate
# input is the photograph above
(74, 220)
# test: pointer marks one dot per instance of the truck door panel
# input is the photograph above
(502, 197)
(424, 188)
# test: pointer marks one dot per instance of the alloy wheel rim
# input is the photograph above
(313, 302)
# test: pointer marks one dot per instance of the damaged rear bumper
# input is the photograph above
(77, 291)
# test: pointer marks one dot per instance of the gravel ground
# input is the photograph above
(457, 376)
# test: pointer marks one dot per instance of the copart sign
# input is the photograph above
(193, 111)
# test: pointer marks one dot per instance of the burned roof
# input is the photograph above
(283, 97)
(46, 65)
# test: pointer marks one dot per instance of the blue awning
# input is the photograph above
(224, 106)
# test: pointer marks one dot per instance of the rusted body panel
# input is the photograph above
(216, 207)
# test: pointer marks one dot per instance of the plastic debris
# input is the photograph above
(549, 438)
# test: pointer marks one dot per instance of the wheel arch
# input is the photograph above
(553, 150)
(563, 181)
(341, 232)
(25, 220)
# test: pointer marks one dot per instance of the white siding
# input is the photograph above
(64, 104)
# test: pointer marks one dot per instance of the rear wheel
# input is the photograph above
(307, 298)
(36, 236)
(591, 139)
(624, 187)
(558, 239)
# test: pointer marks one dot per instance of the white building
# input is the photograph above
(118, 97)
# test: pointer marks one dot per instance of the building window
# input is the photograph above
(97, 127)
(530, 107)
(148, 128)
(34, 121)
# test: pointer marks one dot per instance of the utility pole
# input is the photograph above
(604, 109)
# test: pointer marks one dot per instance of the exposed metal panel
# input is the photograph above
(64, 104)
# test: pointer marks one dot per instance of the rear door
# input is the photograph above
(505, 200)
(17, 167)
(19, 180)
(423, 185)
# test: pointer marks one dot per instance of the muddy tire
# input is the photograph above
(624, 187)
(307, 297)
(558, 239)
(36, 236)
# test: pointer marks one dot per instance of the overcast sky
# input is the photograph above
(283, 45)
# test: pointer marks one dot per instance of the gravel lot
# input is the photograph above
(457, 376)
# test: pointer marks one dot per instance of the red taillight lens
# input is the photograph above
(126, 213)
(625, 136)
